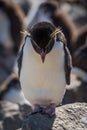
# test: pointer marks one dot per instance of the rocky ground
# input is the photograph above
(67, 117)
(10, 116)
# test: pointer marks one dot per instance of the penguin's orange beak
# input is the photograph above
(43, 55)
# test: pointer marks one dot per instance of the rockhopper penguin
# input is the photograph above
(44, 67)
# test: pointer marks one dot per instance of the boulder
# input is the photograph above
(10, 116)
(67, 117)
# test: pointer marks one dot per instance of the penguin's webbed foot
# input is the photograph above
(49, 110)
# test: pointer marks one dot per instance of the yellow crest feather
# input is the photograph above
(57, 31)
(26, 33)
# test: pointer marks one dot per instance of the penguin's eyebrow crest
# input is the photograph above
(26, 33)
(55, 32)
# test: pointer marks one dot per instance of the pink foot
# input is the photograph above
(37, 108)
(50, 110)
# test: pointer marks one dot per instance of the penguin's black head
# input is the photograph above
(41, 38)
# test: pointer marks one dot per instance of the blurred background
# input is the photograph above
(19, 15)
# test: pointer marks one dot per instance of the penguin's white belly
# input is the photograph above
(43, 83)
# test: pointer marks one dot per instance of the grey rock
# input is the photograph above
(10, 116)
(67, 117)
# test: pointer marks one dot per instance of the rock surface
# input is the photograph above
(68, 117)
(10, 116)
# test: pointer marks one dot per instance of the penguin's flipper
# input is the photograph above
(68, 65)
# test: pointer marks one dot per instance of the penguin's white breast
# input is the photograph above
(43, 82)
